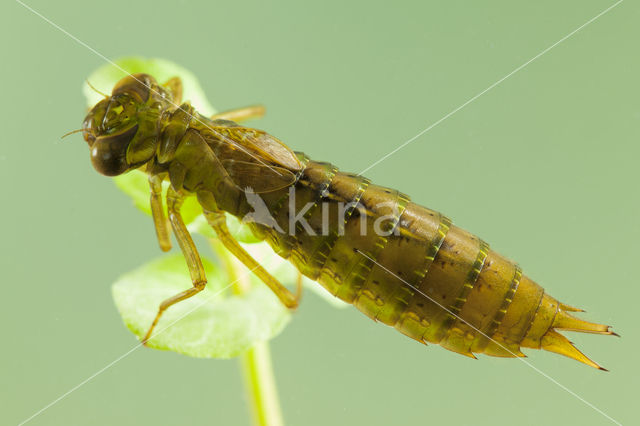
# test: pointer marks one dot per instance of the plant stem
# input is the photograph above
(261, 386)
(256, 365)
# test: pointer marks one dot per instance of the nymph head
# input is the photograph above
(122, 129)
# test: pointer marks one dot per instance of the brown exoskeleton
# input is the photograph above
(419, 273)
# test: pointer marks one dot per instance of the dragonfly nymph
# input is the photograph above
(399, 263)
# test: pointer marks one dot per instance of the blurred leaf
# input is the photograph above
(287, 274)
(202, 227)
(105, 77)
(212, 324)
(136, 185)
(240, 231)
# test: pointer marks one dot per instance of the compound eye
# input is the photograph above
(93, 120)
(137, 85)
(108, 153)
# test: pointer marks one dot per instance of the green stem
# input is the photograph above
(261, 385)
(257, 368)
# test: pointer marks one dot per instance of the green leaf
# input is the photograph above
(105, 77)
(212, 324)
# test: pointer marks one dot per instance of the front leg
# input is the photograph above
(198, 278)
(157, 212)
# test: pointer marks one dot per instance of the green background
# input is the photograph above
(543, 166)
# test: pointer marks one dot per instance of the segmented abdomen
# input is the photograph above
(409, 267)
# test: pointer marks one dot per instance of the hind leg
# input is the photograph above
(218, 221)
